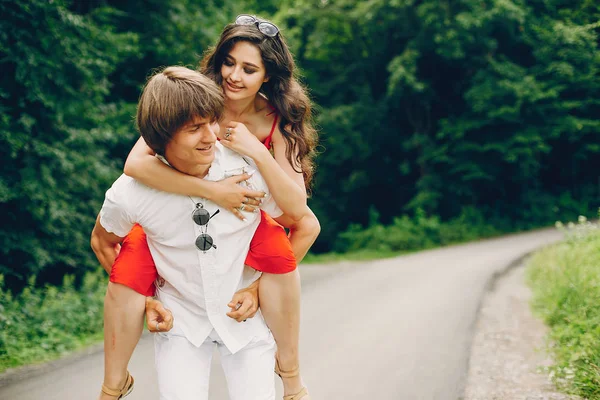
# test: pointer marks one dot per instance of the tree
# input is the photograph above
(54, 167)
(445, 105)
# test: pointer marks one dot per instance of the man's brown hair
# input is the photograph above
(173, 97)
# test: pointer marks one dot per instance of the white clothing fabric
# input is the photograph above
(198, 284)
(184, 369)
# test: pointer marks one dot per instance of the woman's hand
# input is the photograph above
(228, 194)
(239, 139)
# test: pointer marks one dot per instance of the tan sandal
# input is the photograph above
(290, 374)
(297, 396)
(124, 391)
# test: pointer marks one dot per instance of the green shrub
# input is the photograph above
(420, 232)
(42, 323)
(566, 286)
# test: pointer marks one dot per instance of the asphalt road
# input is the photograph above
(397, 328)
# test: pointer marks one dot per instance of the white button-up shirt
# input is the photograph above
(199, 284)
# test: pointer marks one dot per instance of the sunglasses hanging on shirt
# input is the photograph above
(201, 217)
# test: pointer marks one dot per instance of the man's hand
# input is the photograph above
(158, 318)
(244, 303)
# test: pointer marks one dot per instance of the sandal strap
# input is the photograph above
(297, 396)
(286, 374)
(120, 393)
(111, 392)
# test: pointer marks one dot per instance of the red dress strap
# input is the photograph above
(268, 141)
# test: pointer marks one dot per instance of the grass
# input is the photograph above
(42, 324)
(358, 255)
(565, 280)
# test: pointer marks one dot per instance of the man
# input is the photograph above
(198, 249)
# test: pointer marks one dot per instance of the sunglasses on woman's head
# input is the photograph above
(201, 217)
(269, 29)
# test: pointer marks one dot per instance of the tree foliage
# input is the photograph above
(72, 72)
(440, 106)
(55, 134)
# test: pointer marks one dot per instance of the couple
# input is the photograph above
(198, 204)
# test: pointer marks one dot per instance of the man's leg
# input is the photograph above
(249, 372)
(279, 296)
(183, 369)
(123, 325)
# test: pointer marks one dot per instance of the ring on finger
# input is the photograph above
(227, 133)
(242, 207)
(157, 328)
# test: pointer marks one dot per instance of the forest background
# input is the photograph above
(439, 121)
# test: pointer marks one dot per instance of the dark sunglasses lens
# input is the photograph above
(245, 20)
(268, 29)
(204, 242)
(200, 216)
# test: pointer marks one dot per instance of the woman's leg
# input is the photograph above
(123, 325)
(279, 296)
(132, 278)
(279, 292)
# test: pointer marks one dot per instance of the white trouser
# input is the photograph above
(184, 369)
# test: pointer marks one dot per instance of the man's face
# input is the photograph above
(193, 146)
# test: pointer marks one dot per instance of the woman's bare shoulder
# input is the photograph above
(263, 107)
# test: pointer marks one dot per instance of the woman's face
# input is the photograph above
(243, 71)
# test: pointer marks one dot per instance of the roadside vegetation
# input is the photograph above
(43, 323)
(406, 234)
(565, 279)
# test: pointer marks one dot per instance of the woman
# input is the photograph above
(266, 111)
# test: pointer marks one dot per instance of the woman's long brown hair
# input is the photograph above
(283, 90)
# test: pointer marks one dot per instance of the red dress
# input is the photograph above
(270, 251)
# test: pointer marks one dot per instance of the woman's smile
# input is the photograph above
(232, 87)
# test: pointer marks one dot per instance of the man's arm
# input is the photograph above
(303, 232)
(105, 245)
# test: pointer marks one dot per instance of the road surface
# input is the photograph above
(398, 328)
